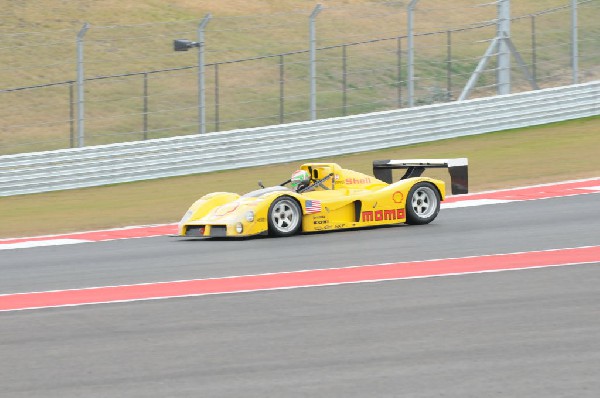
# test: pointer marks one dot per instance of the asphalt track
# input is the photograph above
(519, 333)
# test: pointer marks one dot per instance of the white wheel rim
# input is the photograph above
(424, 202)
(285, 216)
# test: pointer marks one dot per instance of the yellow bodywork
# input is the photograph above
(347, 199)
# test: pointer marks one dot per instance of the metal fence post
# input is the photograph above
(344, 82)
(533, 50)
(411, 53)
(281, 89)
(313, 61)
(217, 127)
(80, 90)
(503, 29)
(201, 85)
(71, 116)
(449, 65)
(399, 71)
(145, 121)
(575, 43)
(493, 48)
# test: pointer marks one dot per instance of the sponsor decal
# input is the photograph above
(262, 219)
(353, 181)
(382, 215)
(313, 206)
(226, 209)
(398, 197)
(323, 228)
(316, 222)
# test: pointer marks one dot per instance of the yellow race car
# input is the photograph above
(324, 196)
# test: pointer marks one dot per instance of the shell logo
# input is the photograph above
(398, 197)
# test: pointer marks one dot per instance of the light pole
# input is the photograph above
(185, 45)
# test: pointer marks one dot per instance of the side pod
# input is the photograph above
(458, 169)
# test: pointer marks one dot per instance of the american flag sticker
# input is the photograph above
(313, 206)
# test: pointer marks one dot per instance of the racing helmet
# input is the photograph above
(300, 179)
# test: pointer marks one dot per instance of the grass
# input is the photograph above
(131, 37)
(555, 152)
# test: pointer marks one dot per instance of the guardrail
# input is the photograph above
(134, 161)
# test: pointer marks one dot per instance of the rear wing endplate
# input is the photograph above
(458, 168)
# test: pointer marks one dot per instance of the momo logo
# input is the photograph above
(353, 181)
(382, 215)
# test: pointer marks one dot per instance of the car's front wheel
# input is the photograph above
(285, 216)
(422, 204)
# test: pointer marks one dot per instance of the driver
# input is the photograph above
(300, 180)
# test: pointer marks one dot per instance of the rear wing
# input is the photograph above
(458, 168)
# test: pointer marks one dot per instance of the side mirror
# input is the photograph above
(260, 184)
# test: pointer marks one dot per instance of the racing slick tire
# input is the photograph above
(422, 204)
(285, 217)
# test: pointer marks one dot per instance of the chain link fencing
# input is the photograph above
(257, 68)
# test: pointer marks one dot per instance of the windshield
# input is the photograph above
(259, 192)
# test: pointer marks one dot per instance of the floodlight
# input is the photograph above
(184, 44)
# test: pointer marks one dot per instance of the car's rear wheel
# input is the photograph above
(422, 204)
(285, 216)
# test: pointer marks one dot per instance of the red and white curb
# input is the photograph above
(300, 279)
(535, 192)
(545, 191)
(143, 231)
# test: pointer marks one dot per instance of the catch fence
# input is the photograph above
(252, 79)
